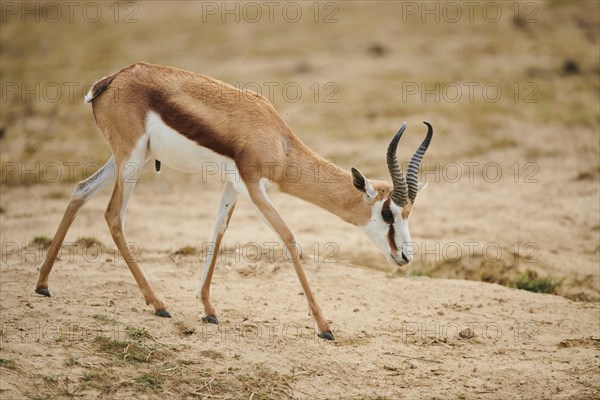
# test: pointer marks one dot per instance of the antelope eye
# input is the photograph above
(388, 217)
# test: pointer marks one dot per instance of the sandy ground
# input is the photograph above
(395, 336)
(410, 333)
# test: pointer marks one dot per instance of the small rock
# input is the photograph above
(303, 67)
(467, 333)
(377, 50)
(571, 67)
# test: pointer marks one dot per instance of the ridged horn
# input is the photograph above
(412, 172)
(400, 187)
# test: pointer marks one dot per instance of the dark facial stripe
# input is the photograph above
(388, 218)
(392, 239)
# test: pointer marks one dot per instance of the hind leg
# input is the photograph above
(127, 172)
(84, 191)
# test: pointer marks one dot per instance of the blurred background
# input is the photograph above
(511, 88)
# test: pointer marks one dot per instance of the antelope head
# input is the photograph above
(388, 226)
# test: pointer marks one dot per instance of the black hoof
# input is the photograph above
(162, 313)
(326, 335)
(45, 292)
(210, 319)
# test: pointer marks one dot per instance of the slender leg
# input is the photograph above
(267, 211)
(115, 217)
(84, 191)
(228, 200)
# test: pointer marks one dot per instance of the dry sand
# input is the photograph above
(399, 334)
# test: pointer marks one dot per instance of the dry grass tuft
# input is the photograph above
(186, 251)
(89, 241)
(8, 364)
(184, 329)
(42, 242)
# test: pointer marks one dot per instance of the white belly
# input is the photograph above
(178, 152)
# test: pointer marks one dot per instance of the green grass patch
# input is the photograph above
(8, 364)
(426, 269)
(41, 241)
(531, 282)
(138, 333)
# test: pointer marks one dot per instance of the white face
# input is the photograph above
(388, 230)
(388, 224)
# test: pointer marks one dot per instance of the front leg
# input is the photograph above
(228, 200)
(269, 214)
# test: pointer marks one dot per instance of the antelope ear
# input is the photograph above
(421, 186)
(361, 183)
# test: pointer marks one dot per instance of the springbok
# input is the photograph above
(186, 119)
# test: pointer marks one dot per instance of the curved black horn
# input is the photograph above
(400, 187)
(412, 172)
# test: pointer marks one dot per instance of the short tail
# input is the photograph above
(98, 88)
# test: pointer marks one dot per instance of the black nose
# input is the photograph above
(405, 258)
